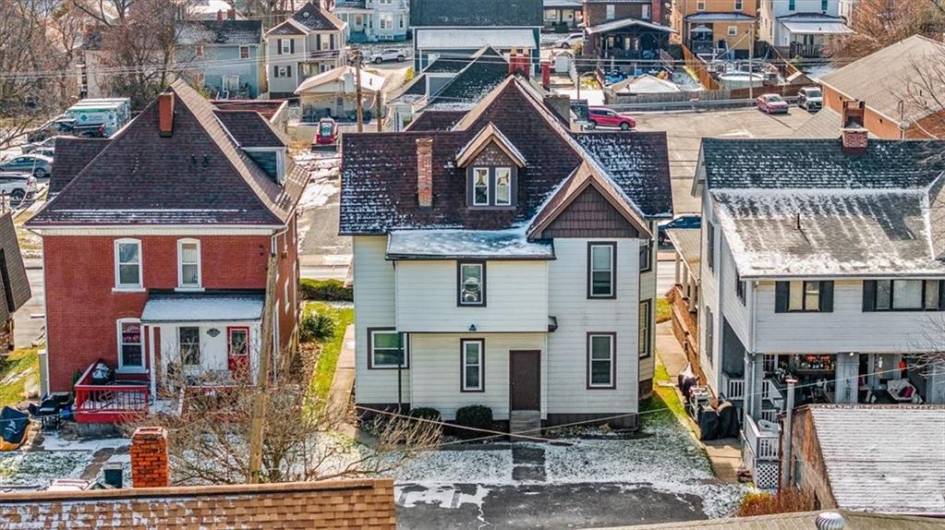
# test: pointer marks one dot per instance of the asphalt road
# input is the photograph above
(685, 130)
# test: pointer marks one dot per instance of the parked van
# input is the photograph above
(810, 98)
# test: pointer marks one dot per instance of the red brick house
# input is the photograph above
(157, 249)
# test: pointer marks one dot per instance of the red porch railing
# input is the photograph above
(109, 403)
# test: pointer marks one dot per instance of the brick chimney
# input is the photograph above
(425, 172)
(166, 113)
(656, 12)
(231, 14)
(149, 461)
(546, 74)
(853, 133)
(518, 63)
(219, 15)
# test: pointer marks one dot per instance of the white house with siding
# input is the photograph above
(801, 27)
(310, 42)
(507, 261)
(822, 261)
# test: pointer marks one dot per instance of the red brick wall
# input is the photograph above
(287, 284)
(81, 308)
(362, 504)
(150, 467)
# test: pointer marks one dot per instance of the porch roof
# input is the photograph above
(479, 244)
(203, 307)
(625, 23)
(816, 27)
(688, 242)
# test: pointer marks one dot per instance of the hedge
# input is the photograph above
(476, 416)
(325, 290)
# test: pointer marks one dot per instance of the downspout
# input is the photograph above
(786, 472)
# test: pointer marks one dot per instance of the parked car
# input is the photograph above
(604, 117)
(17, 185)
(37, 165)
(327, 132)
(683, 221)
(389, 54)
(49, 152)
(68, 127)
(570, 41)
(48, 143)
(771, 104)
(810, 98)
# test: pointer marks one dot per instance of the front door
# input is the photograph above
(238, 352)
(525, 380)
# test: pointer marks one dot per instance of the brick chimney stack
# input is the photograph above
(166, 113)
(656, 12)
(425, 172)
(853, 133)
(149, 462)
(219, 15)
(231, 14)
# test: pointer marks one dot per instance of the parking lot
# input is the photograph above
(685, 131)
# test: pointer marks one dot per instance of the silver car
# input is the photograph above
(38, 165)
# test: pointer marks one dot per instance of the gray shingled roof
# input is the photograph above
(250, 128)
(843, 233)
(221, 32)
(884, 458)
(476, 13)
(820, 163)
(72, 155)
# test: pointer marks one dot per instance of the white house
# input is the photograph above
(801, 27)
(822, 259)
(374, 20)
(310, 42)
(508, 261)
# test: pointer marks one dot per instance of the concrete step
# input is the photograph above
(525, 421)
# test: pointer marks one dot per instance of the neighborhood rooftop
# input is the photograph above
(210, 32)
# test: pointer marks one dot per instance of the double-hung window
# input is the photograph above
(710, 245)
(388, 348)
(286, 46)
(601, 265)
(503, 186)
(646, 316)
(600, 360)
(803, 297)
(471, 278)
(189, 341)
(188, 264)
(128, 264)
(130, 345)
(244, 52)
(480, 186)
(646, 255)
(902, 295)
(473, 365)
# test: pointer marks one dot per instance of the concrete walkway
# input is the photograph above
(724, 455)
(339, 396)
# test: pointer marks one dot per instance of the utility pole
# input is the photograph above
(378, 97)
(257, 427)
(358, 57)
(751, 65)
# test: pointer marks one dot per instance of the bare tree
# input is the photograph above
(211, 431)
(879, 23)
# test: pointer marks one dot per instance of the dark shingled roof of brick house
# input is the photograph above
(379, 170)
(436, 120)
(72, 155)
(476, 13)
(250, 129)
(198, 175)
(486, 71)
(820, 163)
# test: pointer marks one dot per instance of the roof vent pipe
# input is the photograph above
(830, 521)
(797, 221)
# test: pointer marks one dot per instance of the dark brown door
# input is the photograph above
(525, 380)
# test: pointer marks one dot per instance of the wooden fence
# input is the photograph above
(698, 67)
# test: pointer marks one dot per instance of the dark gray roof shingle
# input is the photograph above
(476, 13)
(225, 32)
(72, 155)
(250, 129)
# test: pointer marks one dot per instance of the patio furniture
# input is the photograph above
(902, 390)
(48, 412)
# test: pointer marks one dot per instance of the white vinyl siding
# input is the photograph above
(847, 329)
(426, 297)
(648, 292)
(214, 348)
(577, 316)
(374, 303)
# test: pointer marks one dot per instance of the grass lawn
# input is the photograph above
(664, 310)
(330, 348)
(664, 397)
(18, 371)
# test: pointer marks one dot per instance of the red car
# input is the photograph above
(327, 133)
(771, 104)
(604, 117)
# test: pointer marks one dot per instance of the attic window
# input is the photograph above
(491, 187)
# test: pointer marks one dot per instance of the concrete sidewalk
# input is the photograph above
(339, 396)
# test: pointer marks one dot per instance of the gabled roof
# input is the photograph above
(221, 32)
(489, 134)
(308, 19)
(379, 171)
(250, 129)
(72, 155)
(435, 120)
(626, 23)
(370, 82)
(887, 77)
(480, 13)
(16, 281)
(269, 108)
(198, 175)
(888, 459)
(486, 70)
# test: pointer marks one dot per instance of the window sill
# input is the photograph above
(611, 387)
(189, 289)
(129, 290)
(387, 367)
(131, 370)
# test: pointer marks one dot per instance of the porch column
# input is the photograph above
(691, 289)
(152, 364)
(848, 371)
(677, 265)
(754, 379)
(935, 389)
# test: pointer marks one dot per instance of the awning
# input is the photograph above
(626, 23)
(719, 17)
(457, 244)
(200, 307)
(817, 28)
(474, 39)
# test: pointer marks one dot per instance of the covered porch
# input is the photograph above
(181, 341)
(810, 35)
(627, 39)
(684, 296)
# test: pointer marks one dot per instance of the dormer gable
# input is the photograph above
(489, 136)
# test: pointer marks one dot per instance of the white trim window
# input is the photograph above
(503, 186)
(473, 365)
(387, 347)
(130, 345)
(128, 264)
(601, 268)
(286, 46)
(481, 186)
(600, 360)
(188, 340)
(188, 264)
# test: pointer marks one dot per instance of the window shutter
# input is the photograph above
(292, 46)
(869, 295)
(278, 46)
(826, 297)
(941, 295)
(288, 71)
(782, 291)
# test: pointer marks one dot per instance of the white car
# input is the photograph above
(571, 41)
(390, 54)
(17, 185)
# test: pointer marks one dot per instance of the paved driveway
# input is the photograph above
(685, 131)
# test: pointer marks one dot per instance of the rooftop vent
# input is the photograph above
(830, 521)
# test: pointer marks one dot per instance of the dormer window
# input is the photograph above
(491, 187)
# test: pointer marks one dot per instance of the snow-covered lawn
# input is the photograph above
(664, 458)
(37, 467)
